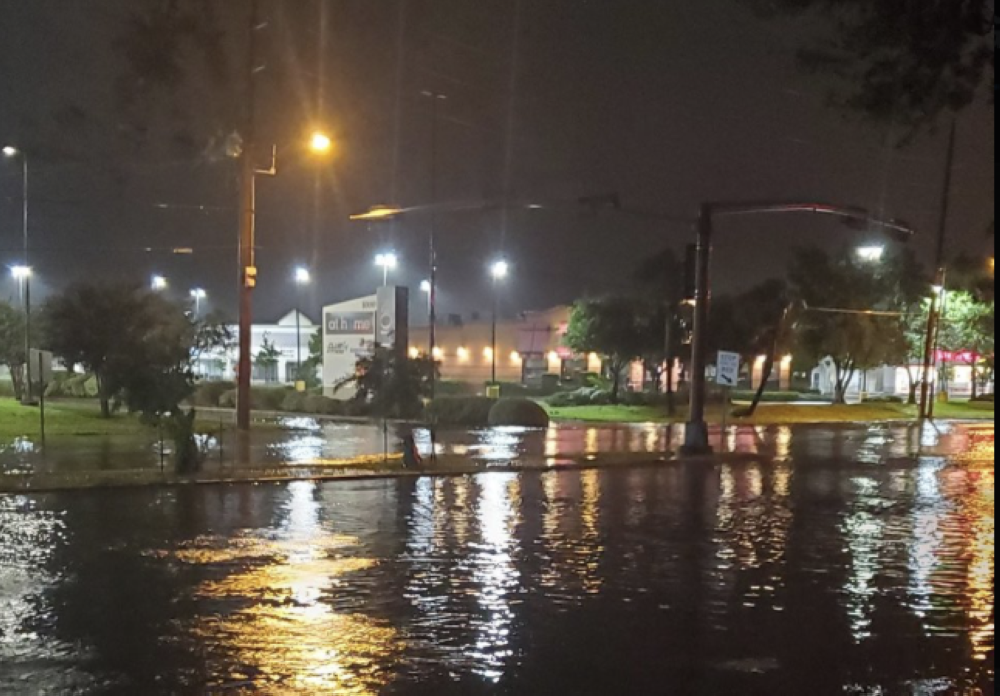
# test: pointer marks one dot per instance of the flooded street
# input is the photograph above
(857, 561)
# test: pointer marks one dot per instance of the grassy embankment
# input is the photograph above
(778, 414)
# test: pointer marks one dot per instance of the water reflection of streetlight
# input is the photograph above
(495, 573)
(272, 617)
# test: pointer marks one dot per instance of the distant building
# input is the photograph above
(284, 336)
(528, 349)
(893, 381)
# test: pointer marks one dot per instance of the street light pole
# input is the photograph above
(12, 152)
(302, 278)
(499, 273)
(436, 98)
(696, 436)
(940, 281)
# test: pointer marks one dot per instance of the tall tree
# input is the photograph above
(267, 359)
(663, 276)
(902, 62)
(968, 328)
(113, 331)
(853, 311)
(616, 327)
(12, 355)
(755, 323)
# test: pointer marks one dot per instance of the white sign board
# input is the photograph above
(41, 367)
(727, 371)
(349, 334)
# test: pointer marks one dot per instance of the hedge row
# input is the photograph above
(480, 412)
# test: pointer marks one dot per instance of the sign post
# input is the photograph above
(42, 361)
(727, 375)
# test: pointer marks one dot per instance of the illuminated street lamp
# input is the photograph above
(387, 262)
(10, 152)
(303, 277)
(871, 254)
(198, 295)
(499, 272)
(159, 283)
(319, 143)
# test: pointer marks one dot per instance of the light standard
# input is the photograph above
(871, 254)
(302, 278)
(198, 295)
(159, 284)
(499, 272)
(21, 274)
(425, 287)
(320, 144)
(11, 152)
(387, 262)
(696, 436)
(436, 98)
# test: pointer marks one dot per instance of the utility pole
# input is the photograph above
(247, 250)
(696, 436)
(27, 283)
(941, 278)
(436, 98)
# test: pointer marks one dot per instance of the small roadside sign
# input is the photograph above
(727, 371)
(41, 367)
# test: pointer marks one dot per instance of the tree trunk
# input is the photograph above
(671, 397)
(914, 387)
(17, 380)
(975, 382)
(765, 378)
(103, 396)
(844, 376)
(616, 387)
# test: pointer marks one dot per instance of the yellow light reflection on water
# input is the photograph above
(982, 569)
(283, 634)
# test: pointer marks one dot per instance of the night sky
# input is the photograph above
(665, 103)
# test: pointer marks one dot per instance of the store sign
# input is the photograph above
(965, 357)
(352, 331)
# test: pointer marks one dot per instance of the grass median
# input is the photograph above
(777, 414)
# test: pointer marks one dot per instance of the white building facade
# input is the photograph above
(285, 337)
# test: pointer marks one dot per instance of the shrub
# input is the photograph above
(472, 411)
(261, 398)
(770, 397)
(886, 400)
(446, 388)
(588, 396)
(208, 394)
(269, 398)
(318, 405)
(986, 399)
(6, 389)
(80, 387)
(295, 403)
(522, 413)
(228, 399)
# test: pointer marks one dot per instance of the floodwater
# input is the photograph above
(307, 442)
(838, 564)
